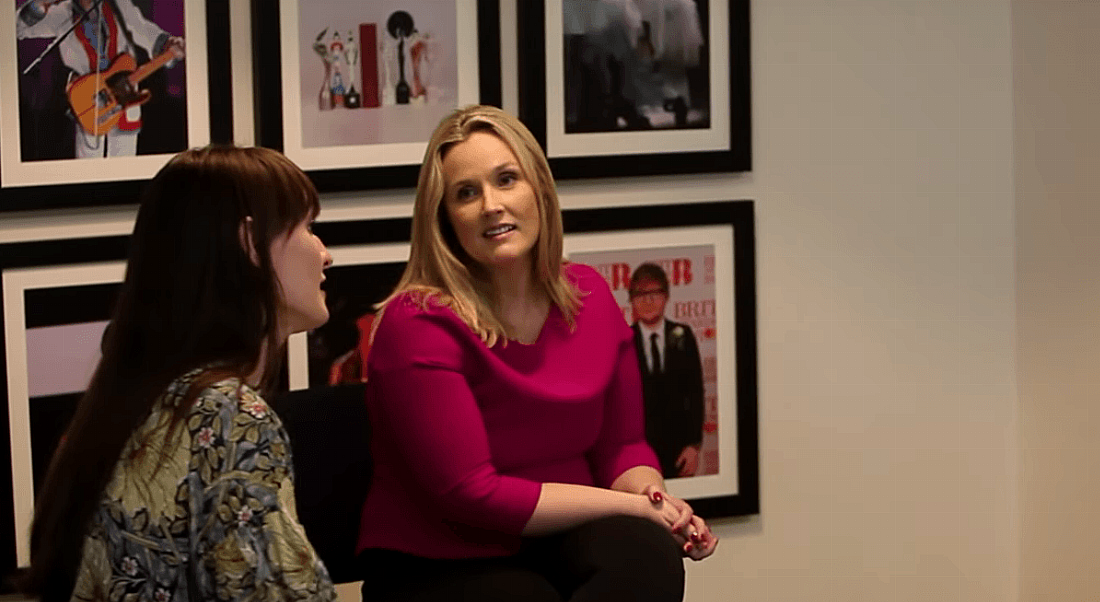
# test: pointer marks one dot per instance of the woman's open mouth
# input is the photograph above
(498, 230)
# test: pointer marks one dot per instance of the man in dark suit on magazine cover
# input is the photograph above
(672, 375)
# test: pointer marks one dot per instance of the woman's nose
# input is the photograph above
(491, 202)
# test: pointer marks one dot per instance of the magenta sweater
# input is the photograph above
(464, 434)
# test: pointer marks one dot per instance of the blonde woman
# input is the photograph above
(505, 396)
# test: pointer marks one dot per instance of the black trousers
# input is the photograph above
(606, 560)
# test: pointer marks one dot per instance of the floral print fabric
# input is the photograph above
(204, 511)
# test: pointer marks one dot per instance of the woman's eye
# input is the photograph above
(507, 179)
(466, 192)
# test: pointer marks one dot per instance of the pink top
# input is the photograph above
(464, 435)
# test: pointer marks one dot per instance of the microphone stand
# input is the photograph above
(61, 37)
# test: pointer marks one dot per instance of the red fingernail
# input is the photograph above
(695, 536)
(687, 548)
(657, 496)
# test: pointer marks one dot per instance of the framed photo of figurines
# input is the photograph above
(637, 88)
(684, 276)
(95, 95)
(56, 298)
(351, 91)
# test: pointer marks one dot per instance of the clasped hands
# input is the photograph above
(690, 531)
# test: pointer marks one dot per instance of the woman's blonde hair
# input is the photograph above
(439, 270)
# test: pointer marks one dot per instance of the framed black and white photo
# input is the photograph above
(351, 91)
(636, 88)
(79, 131)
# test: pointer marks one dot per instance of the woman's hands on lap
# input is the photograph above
(690, 531)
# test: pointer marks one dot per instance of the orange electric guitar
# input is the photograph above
(98, 99)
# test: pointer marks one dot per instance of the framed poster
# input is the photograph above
(351, 91)
(637, 88)
(81, 126)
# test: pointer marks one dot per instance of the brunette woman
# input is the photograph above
(174, 480)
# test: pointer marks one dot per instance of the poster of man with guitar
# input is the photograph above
(101, 43)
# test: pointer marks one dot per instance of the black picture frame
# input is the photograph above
(609, 152)
(340, 168)
(77, 183)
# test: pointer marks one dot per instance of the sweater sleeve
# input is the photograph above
(621, 444)
(419, 392)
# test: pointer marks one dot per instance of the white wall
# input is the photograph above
(883, 175)
(1057, 142)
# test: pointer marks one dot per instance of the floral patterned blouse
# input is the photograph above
(217, 521)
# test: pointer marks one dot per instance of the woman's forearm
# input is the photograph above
(563, 506)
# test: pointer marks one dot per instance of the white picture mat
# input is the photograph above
(363, 155)
(240, 49)
(15, 283)
(721, 237)
(74, 348)
(714, 138)
(15, 172)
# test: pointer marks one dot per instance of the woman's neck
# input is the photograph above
(255, 379)
(512, 285)
(522, 305)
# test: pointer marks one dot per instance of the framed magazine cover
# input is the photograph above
(351, 91)
(707, 253)
(55, 108)
(56, 299)
(637, 88)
